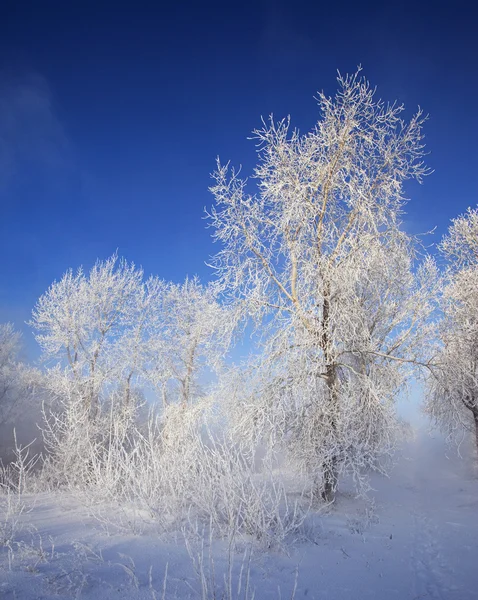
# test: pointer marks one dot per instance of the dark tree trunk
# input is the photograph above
(475, 416)
(329, 468)
(470, 402)
(330, 480)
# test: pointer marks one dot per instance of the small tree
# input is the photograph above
(197, 335)
(9, 349)
(453, 387)
(318, 257)
(16, 379)
(21, 393)
(92, 330)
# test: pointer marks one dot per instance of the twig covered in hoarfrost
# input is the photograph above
(14, 481)
(237, 581)
(179, 462)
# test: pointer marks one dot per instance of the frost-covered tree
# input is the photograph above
(92, 329)
(109, 333)
(17, 380)
(317, 256)
(197, 335)
(21, 395)
(110, 338)
(453, 387)
(9, 349)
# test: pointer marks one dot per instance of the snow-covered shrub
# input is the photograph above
(15, 480)
(179, 464)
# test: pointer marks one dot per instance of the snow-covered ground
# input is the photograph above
(419, 541)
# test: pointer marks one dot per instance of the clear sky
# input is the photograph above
(112, 114)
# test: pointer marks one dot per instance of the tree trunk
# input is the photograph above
(475, 416)
(329, 468)
(127, 395)
(186, 382)
(329, 485)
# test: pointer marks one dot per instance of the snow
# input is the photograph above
(417, 540)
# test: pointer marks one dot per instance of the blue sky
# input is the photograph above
(112, 114)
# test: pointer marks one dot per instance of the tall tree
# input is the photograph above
(318, 256)
(453, 387)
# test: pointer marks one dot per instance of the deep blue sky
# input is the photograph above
(111, 118)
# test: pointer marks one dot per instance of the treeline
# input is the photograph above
(140, 403)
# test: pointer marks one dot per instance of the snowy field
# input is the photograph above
(418, 539)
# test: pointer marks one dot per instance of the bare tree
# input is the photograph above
(196, 338)
(21, 395)
(92, 328)
(318, 258)
(17, 380)
(453, 387)
(109, 338)
(9, 349)
(110, 332)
